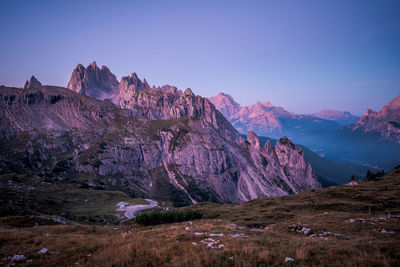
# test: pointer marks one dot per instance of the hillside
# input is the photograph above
(345, 225)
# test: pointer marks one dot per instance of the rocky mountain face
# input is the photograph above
(100, 83)
(32, 83)
(268, 120)
(341, 117)
(385, 123)
(165, 143)
(93, 81)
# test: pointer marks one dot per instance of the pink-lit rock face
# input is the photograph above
(32, 83)
(127, 87)
(226, 104)
(163, 144)
(386, 122)
(261, 117)
(267, 120)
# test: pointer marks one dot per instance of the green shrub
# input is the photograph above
(154, 218)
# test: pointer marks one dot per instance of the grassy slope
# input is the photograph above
(267, 225)
(32, 195)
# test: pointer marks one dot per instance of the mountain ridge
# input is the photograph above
(168, 144)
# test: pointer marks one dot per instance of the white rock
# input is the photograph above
(43, 251)
(197, 233)
(18, 258)
(238, 235)
(288, 259)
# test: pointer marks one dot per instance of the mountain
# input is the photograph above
(93, 81)
(341, 117)
(100, 83)
(328, 172)
(385, 123)
(268, 120)
(32, 83)
(364, 145)
(164, 143)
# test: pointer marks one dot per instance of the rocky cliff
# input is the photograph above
(93, 81)
(385, 123)
(164, 143)
(100, 83)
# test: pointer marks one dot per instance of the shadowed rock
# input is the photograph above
(32, 83)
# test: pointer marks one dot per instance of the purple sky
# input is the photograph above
(302, 55)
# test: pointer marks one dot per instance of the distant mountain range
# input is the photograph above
(266, 119)
(338, 135)
(341, 117)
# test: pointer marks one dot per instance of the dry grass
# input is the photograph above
(264, 227)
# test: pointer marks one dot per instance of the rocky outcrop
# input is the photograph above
(32, 83)
(128, 86)
(165, 144)
(93, 81)
(102, 84)
(284, 163)
(385, 123)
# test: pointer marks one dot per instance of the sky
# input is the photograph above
(303, 55)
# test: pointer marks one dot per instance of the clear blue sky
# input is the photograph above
(302, 55)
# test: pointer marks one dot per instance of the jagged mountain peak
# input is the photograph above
(94, 82)
(385, 123)
(188, 92)
(225, 103)
(223, 97)
(252, 138)
(101, 83)
(267, 104)
(32, 82)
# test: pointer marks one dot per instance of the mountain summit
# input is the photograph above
(93, 81)
(385, 123)
(100, 83)
(32, 83)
